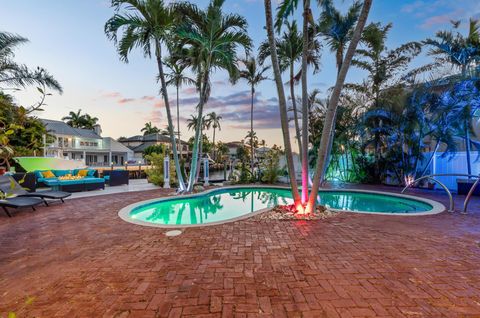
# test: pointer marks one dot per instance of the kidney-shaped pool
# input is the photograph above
(232, 203)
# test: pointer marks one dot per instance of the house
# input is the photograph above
(233, 147)
(84, 144)
(138, 144)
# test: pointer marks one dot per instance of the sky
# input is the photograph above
(67, 38)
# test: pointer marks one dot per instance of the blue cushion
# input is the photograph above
(106, 177)
(50, 181)
(38, 174)
(61, 173)
(91, 172)
(93, 180)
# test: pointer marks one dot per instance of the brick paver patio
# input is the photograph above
(80, 260)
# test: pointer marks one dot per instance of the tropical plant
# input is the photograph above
(149, 129)
(154, 149)
(333, 105)
(79, 120)
(289, 51)
(155, 173)
(452, 47)
(145, 24)
(20, 133)
(254, 75)
(282, 102)
(14, 75)
(270, 166)
(461, 102)
(212, 39)
(222, 151)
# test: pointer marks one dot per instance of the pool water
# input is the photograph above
(225, 204)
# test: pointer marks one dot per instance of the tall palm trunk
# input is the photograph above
(304, 144)
(339, 57)
(198, 129)
(213, 141)
(467, 147)
(251, 132)
(178, 123)
(295, 111)
(282, 105)
(333, 104)
(178, 170)
(200, 156)
(437, 145)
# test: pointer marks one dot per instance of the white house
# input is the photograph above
(84, 144)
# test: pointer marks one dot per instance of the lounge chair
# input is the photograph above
(19, 202)
(10, 186)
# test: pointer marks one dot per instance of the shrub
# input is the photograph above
(270, 166)
(155, 172)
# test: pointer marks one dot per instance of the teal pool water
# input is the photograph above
(225, 204)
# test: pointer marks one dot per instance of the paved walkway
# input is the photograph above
(79, 259)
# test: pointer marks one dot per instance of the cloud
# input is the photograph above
(440, 19)
(235, 110)
(189, 91)
(111, 95)
(125, 100)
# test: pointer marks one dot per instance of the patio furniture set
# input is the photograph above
(20, 190)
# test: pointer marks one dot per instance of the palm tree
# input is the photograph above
(74, 119)
(305, 48)
(146, 23)
(192, 123)
(333, 104)
(282, 104)
(79, 120)
(462, 52)
(177, 78)
(254, 75)
(89, 122)
(149, 128)
(289, 52)
(337, 30)
(14, 75)
(212, 39)
(454, 48)
(213, 120)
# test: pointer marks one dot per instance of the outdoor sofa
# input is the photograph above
(116, 177)
(89, 182)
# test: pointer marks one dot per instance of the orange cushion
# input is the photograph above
(82, 173)
(48, 174)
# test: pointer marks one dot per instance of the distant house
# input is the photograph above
(232, 148)
(139, 143)
(84, 144)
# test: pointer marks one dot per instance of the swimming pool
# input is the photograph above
(233, 203)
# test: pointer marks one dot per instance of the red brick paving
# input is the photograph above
(80, 260)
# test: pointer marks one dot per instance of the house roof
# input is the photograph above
(61, 128)
(234, 144)
(149, 138)
(116, 146)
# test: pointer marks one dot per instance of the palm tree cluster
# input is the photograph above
(180, 36)
(79, 120)
(391, 119)
(374, 129)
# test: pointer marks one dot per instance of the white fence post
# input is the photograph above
(166, 172)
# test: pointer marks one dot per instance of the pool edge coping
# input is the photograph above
(123, 213)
